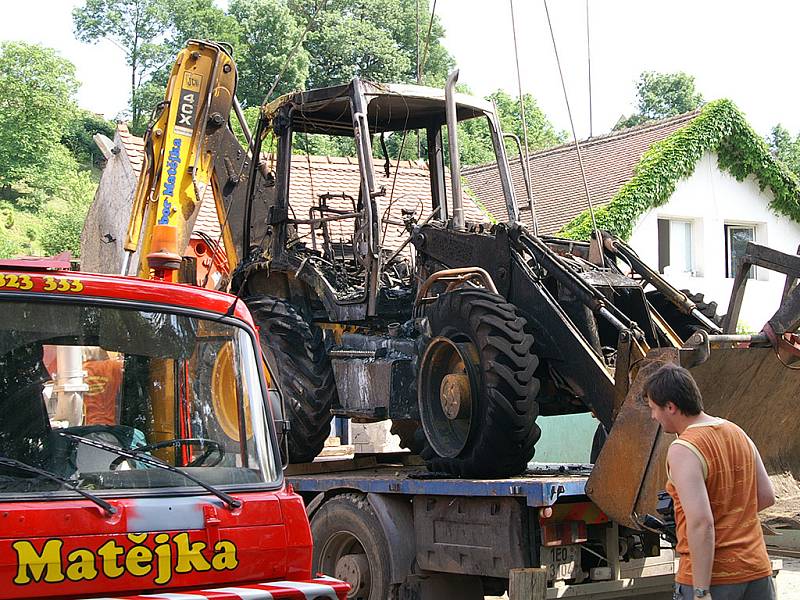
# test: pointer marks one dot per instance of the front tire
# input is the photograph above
(301, 365)
(480, 349)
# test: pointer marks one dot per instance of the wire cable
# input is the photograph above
(526, 170)
(575, 138)
(427, 43)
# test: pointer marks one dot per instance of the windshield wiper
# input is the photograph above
(16, 464)
(230, 501)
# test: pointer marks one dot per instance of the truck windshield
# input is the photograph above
(181, 389)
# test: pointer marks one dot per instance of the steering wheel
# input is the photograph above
(209, 447)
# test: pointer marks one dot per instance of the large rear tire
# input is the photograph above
(480, 349)
(684, 325)
(349, 544)
(295, 350)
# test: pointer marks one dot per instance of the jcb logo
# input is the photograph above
(192, 81)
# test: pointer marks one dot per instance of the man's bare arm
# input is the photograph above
(765, 491)
(686, 472)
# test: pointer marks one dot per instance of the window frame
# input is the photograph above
(664, 250)
(271, 446)
(729, 266)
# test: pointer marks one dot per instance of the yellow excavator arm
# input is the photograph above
(177, 166)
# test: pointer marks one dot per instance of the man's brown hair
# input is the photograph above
(675, 384)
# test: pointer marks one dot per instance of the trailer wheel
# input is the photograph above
(683, 325)
(298, 357)
(349, 544)
(476, 386)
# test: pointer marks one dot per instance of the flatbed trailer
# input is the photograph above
(394, 530)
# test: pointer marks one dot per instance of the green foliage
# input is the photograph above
(372, 39)
(785, 148)
(475, 138)
(62, 221)
(36, 89)
(268, 33)
(48, 216)
(78, 136)
(199, 20)
(251, 118)
(138, 27)
(38, 173)
(720, 128)
(662, 95)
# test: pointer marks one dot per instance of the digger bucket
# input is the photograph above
(748, 386)
(755, 390)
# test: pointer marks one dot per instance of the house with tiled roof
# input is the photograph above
(687, 193)
(407, 189)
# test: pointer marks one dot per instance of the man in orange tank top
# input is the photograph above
(718, 483)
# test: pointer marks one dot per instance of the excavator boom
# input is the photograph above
(177, 165)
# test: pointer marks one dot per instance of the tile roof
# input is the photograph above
(557, 185)
(134, 148)
(312, 176)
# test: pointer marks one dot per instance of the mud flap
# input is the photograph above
(631, 468)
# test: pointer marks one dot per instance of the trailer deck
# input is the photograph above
(541, 485)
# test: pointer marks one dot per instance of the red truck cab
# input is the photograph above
(138, 454)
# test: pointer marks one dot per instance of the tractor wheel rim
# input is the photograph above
(447, 393)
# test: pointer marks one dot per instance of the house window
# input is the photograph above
(736, 238)
(675, 246)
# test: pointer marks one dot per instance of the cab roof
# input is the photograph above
(390, 107)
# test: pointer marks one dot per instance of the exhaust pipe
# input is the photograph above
(452, 143)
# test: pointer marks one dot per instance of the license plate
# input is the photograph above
(562, 562)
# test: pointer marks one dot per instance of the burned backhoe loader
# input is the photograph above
(460, 332)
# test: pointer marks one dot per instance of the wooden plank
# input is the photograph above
(527, 584)
(331, 466)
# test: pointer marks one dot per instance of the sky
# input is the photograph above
(744, 51)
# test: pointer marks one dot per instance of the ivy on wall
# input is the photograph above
(720, 128)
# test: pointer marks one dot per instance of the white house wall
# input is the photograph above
(710, 199)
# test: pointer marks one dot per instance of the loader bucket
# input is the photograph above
(748, 386)
(631, 468)
(752, 388)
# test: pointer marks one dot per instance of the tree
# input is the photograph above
(137, 27)
(268, 33)
(63, 218)
(36, 90)
(79, 134)
(372, 39)
(200, 20)
(475, 138)
(662, 95)
(785, 148)
(46, 194)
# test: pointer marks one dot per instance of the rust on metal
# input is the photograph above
(631, 468)
(455, 278)
(455, 395)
